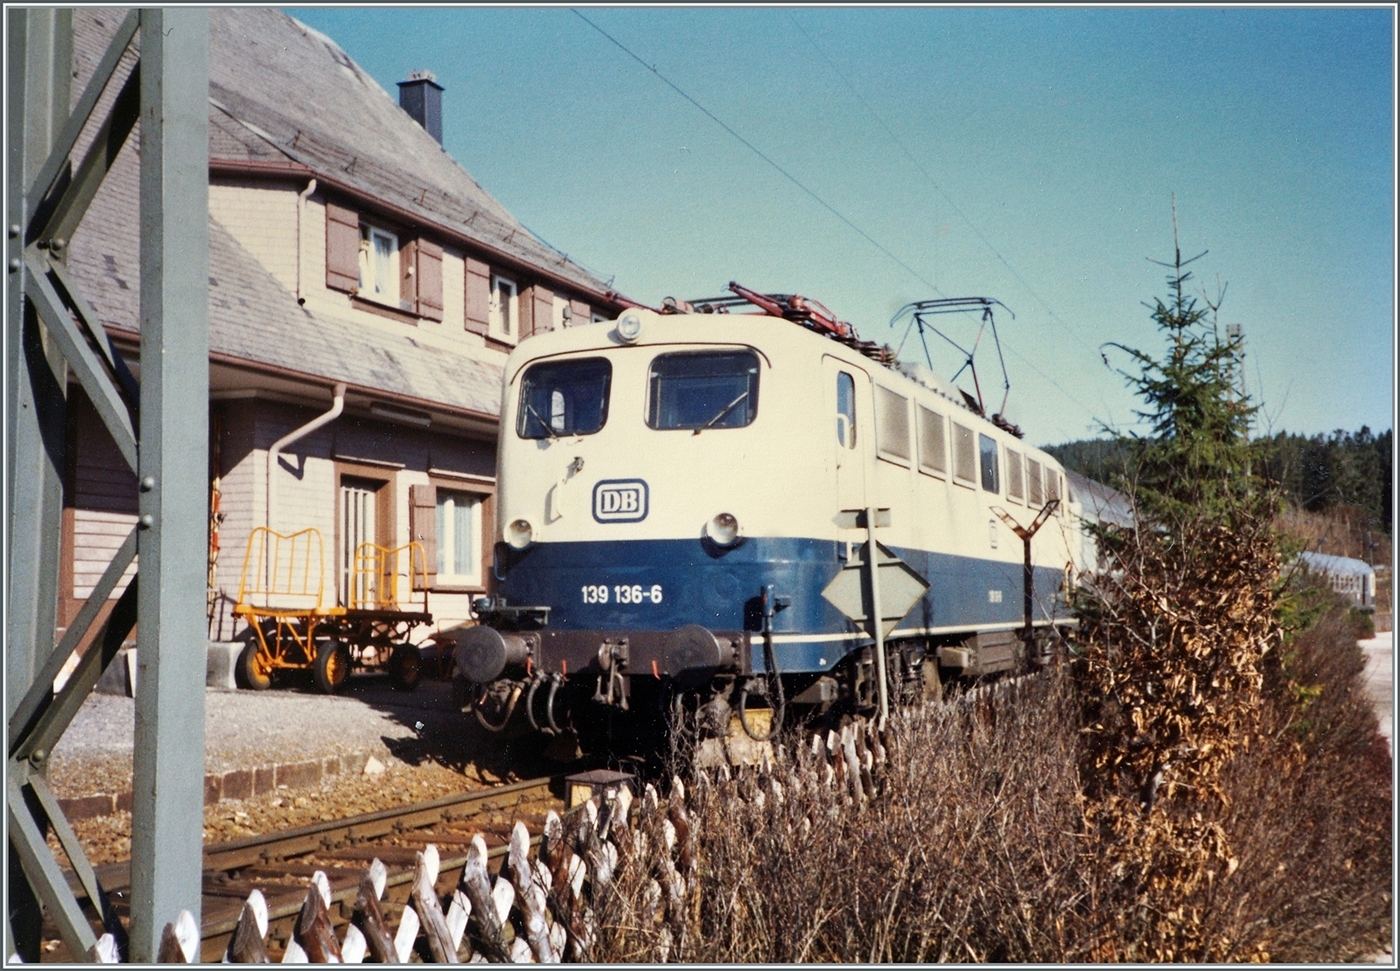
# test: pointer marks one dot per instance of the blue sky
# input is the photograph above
(1029, 155)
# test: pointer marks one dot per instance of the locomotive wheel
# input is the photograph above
(332, 665)
(404, 667)
(253, 671)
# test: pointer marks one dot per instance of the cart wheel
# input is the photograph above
(404, 667)
(332, 665)
(253, 671)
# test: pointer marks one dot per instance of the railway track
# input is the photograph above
(279, 864)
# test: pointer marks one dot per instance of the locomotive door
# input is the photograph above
(849, 405)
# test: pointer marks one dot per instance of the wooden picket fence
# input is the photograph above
(543, 909)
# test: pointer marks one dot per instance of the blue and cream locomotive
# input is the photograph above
(707, 509)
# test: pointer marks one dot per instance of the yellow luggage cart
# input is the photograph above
(282, 597)
(388, 598)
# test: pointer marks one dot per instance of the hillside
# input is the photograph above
(1346, 472)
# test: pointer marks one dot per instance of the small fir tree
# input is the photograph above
(1173, 632)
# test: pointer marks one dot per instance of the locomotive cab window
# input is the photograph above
(564, 398)
(988, 447)
(706, 389)
(845, 410)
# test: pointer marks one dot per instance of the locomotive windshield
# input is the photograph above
(564, 398)
(707, 389)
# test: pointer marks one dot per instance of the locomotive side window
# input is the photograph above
(964, 454)
(892, 419)
(988, 447)
(708, 389)
(1015, 481)
(845, 410)
(564, 398)
(933, 453)
(1052, 484)
(1036, 497)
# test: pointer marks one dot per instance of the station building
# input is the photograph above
(346, 248)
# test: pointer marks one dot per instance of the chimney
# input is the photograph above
(421, 97)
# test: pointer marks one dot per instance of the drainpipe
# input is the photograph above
(336, 408)
(301, 204)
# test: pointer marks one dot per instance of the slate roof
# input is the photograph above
(254, 318)
(258, 59)
(281, 91)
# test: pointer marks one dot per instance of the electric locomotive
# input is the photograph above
(752, 515)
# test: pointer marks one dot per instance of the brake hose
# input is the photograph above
(510, 710)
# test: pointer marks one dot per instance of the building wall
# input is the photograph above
(100, 507)
(306, 490)
(262, 216)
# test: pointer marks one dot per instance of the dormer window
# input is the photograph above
(504, 310)
(379, 265)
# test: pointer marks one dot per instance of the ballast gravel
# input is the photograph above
(412, 747)
(248, 729)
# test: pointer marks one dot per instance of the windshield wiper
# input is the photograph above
(548, 429)
(722, 412)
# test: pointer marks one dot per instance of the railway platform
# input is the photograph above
(256, 741)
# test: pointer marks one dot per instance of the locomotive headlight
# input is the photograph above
(520, 534)
(629, 328)
(723, 529)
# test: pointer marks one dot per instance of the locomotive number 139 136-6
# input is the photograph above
(621, 593)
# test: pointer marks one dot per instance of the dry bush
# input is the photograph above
(969, 851)
(1311, 809)
(980, 845)
(1173, 636)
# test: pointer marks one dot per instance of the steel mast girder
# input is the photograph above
(160, 441)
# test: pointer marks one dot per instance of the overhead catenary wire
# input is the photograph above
(931, 181)
(761, 154)
(810, 192)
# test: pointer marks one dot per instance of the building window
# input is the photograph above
(988, 447)
(458, 539)
(505, 307)
(379, 265)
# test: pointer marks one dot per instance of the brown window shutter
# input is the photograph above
(478, 296)
(342, 248)
(408, 275)
(429, 259)
(536, 311)
(583, 313)
(422, 527)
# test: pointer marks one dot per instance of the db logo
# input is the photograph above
(620, 501)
